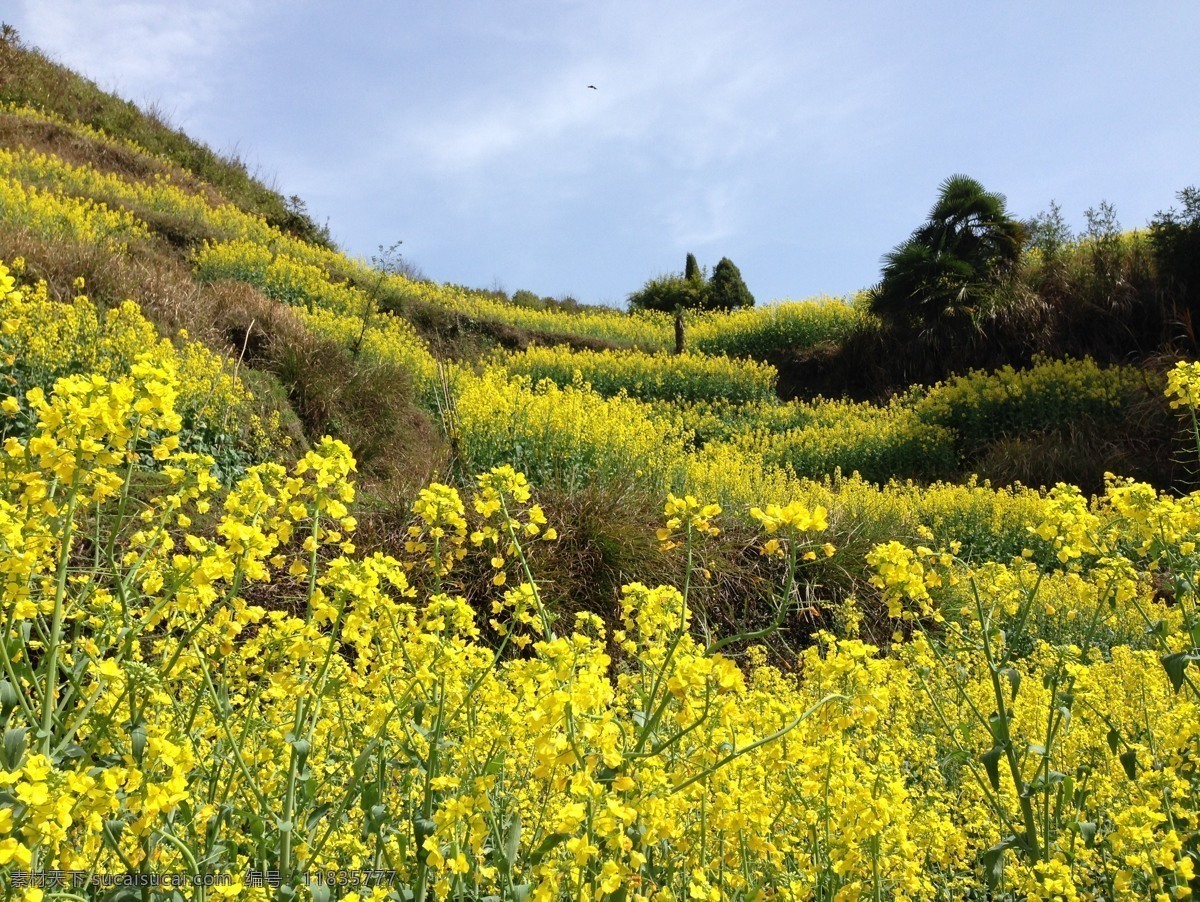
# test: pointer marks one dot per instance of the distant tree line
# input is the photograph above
(972, 271)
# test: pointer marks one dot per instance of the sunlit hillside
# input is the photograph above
(390, 589)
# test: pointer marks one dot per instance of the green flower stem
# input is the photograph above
(766, 740)
(50, 693)
(287, 820)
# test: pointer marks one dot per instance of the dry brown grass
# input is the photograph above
(80, 149)
(150, 273)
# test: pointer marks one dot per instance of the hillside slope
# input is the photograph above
(396, 590)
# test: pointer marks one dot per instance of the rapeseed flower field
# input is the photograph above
(1031, 732)
(208, 671)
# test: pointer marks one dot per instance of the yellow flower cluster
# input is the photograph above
(747, 333)
(1183, 385)
(196, 680)
(48, 117)
(682, 377)
(503, 492)
(279, 275)
(647, 331)
(565, 436)
(336, 311)
(692, 516)
(363, 720)
(42, 340)
(877, 442)
(753, 332)
(789, 522)
(759, 331)
(381, 338)
(981, 406)
(48, 176)
(903, 576)
(54, 215)
(442, 529)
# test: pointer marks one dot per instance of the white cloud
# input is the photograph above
(146, 50)
(703, 218)
(682, 81)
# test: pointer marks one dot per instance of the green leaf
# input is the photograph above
(993, 862)
(1014, 678)
(1087, 830)
(254, 825)
(991, 763)
(545, 847)
(138, 739)
(512, 839)
(1175, 665)
(494, 765)
(422, 829)
(1129, 762)
(113, 829)
(370, 796)
(375, 818)
(1066, 715)
(998, 728)
(1114, 740)
(9, 698)
(15, 744)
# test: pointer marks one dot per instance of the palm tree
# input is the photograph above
(948, 265)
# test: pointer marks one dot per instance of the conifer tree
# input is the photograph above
(726, 289)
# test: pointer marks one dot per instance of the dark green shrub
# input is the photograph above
(526, 298)
(948, 265)
(1175, 240)
(668, 293)
(726, 290)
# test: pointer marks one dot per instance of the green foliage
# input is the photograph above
(879, 443)
(948, 265)
(668, 293)
(1175, 240)
(526, 298)
(726, 290)
(1049, 232)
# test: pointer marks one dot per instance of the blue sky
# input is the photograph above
(802, 140)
